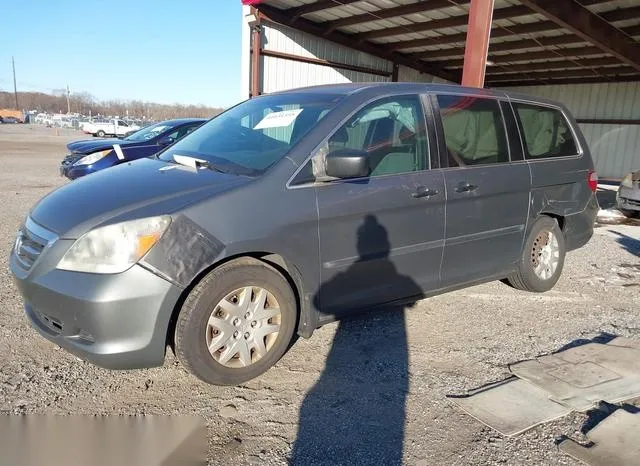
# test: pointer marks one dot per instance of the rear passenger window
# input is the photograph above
(474, 131)
(546, 132)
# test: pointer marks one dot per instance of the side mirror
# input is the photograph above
(165, 141)
(347, 163)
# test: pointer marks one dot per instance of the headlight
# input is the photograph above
(626, 182)
(93, 158)
(114, 248)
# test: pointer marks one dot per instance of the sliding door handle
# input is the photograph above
(424, 192)
(465, 187)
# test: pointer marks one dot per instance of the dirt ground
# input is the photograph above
(370, 390)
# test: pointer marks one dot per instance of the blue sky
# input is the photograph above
(175, 51)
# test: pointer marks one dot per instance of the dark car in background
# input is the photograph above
(91, 155)
(9, 120)
(628, 196)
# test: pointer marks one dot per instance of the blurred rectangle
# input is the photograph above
(27, 440)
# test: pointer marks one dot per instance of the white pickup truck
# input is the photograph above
(113, 127)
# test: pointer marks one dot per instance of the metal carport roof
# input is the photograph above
(532, 41)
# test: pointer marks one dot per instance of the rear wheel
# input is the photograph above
(236, 323)
(630, 213)
(100, 134)
(542, 258)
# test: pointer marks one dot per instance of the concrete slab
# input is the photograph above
(582, 376)
(511, 407)
(615, 442)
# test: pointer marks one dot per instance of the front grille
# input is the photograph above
(31, 241)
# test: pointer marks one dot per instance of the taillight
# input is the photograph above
(592, 180)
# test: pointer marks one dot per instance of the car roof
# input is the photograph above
(392, 87)
(383, 87)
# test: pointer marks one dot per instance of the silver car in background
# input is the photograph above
(629, 194)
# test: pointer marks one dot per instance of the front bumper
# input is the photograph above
(629, 198)
(69, 170)
(117, 321)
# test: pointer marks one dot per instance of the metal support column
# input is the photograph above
(256, 47)
(477, 45)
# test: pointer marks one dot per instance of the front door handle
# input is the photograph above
(424, 192)
(465, 187)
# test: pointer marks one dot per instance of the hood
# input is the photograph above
(87, 146)
(139, 189)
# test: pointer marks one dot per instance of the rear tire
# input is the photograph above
(216, 320)
(542, 258)
(100, 134)
(630, 213)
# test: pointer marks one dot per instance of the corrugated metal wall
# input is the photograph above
(280, 74)
(406, 74)
(615, 148)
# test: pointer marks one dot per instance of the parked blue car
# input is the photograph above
(91, 155)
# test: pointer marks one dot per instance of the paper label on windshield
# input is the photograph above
(118, 150)
(278, 119)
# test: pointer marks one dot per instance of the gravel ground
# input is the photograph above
(370, 390)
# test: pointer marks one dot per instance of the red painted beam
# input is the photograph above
(251, 2)
(477, 45)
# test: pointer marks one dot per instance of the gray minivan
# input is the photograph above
(291, 210)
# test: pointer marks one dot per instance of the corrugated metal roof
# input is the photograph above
(440, 25)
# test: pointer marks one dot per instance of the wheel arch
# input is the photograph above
(559, 218)
(289, 271)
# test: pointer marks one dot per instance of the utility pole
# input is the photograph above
(68, 102)
(15, 87)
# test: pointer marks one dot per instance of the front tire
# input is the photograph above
(236, 323)
(542, 258)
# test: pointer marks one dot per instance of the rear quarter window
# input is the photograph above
(545, 132)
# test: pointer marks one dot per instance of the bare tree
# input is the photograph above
(85, 104)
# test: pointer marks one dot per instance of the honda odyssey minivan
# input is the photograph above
(294, 209)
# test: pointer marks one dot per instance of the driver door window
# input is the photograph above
(390, 131)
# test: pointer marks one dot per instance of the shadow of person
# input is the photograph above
(355, 413)
(631, 245)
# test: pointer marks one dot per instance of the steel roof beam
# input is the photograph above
(420, 7)
(564, 39)
(571, 15)
(528, 56)
(579, 73)
(297, 12)
(549, 81)
(589, 63)
(518, 29)
(453, 21)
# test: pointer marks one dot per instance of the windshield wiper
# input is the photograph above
(196, 163)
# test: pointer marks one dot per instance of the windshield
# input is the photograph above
(149, 132)
(252, 136)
